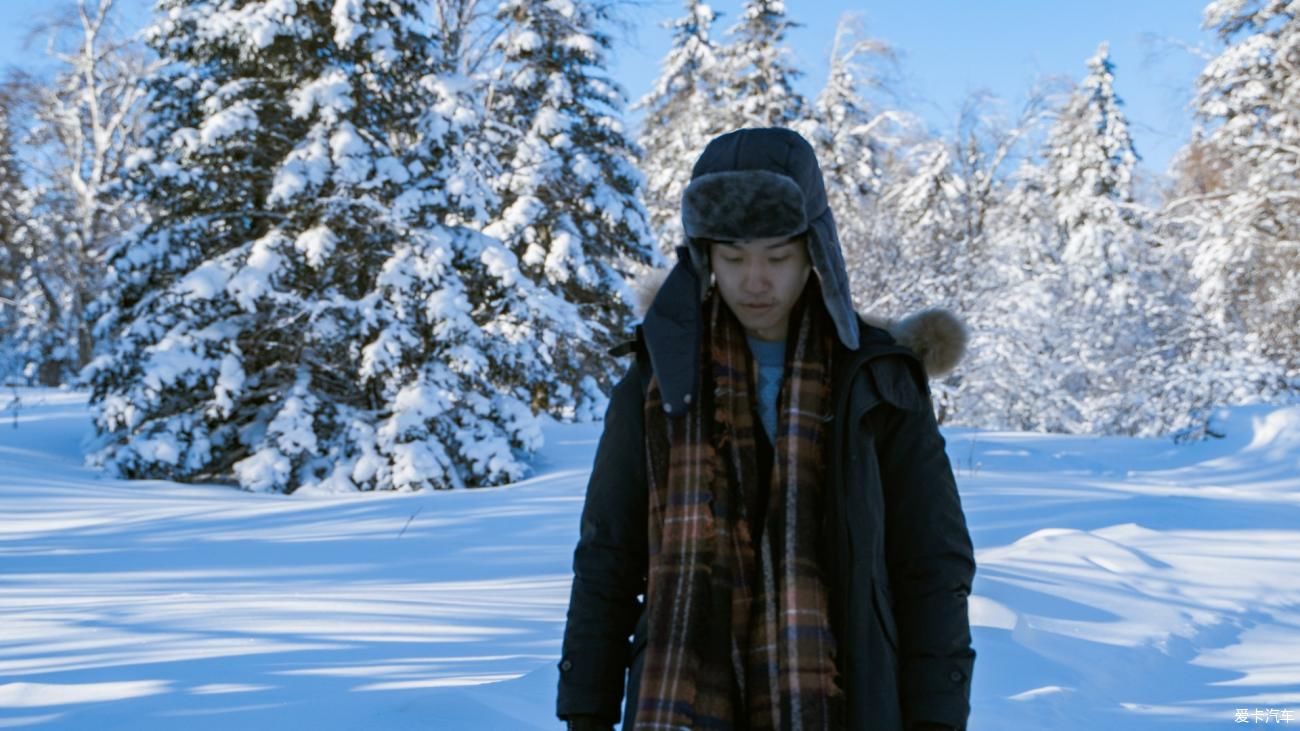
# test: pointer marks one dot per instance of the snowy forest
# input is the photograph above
(346, 245)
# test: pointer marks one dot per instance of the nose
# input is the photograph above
(756, 279)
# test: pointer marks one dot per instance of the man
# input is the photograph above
(772, 481)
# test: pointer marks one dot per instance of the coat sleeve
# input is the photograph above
(928, 553)
(609, 564)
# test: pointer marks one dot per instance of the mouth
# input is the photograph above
(756, 307)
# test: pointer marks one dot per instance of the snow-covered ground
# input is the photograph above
(1122, 584)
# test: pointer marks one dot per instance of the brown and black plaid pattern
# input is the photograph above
(739, 632)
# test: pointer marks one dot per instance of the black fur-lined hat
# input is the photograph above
(764, 183)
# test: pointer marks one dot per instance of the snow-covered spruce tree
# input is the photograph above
(1011, 378)
(679, 119)
(308, 309)
(1090, 162)
(1244, 217)
(569, 189)
(1103, 321)
(757, 78)
(1128, 352)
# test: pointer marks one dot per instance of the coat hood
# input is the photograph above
(761, 183)
(669, 315)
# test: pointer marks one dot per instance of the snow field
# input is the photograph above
(1122, 584)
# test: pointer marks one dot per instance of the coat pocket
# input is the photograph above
(885, 614)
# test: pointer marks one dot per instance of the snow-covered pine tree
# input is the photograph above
(855, 144)
(1244, 216)
(1132, 354)
(1089, 160)
(940, 209)
(1112, 310)
(940, 201)
(568, 184)
(308, 308)
(844, 126)
(923, 204)
(757, 77)
(680, 119)
(1011, 378)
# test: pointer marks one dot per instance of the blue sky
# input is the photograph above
(948, 49)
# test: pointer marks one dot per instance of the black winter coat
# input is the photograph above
(897, 552)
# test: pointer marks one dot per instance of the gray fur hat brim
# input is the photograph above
(721, 206)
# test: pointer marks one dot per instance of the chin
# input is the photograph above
(758, 327)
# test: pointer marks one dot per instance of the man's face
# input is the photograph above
(760, 280)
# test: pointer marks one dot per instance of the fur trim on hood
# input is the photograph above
(936, 334)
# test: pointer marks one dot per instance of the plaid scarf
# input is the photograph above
(739, 632)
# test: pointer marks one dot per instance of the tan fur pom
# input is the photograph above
(937, 335)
